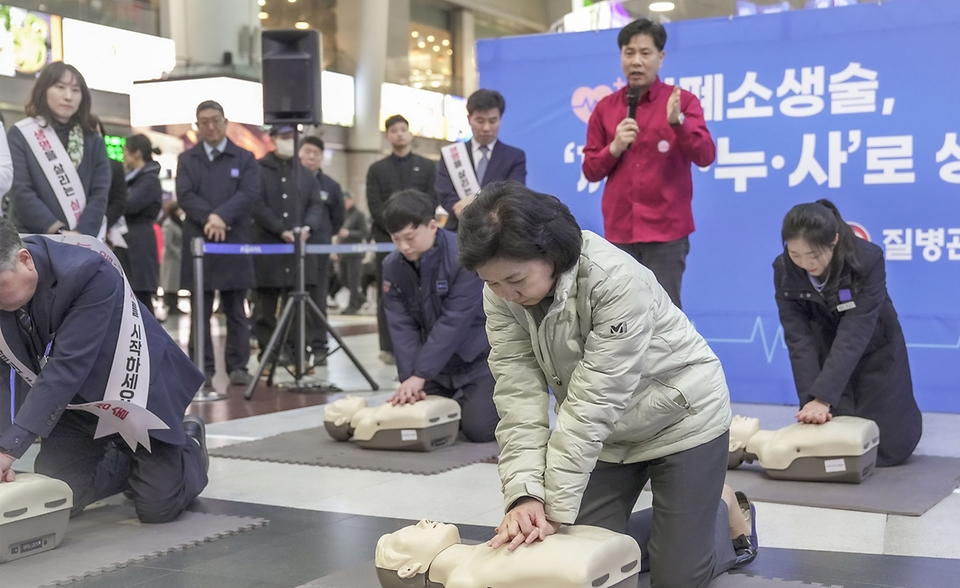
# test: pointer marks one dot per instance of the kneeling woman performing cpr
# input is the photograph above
(640, 395)
(846, 345)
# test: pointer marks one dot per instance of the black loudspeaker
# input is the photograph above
(291, 77)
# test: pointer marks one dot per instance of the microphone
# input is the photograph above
(633, 96)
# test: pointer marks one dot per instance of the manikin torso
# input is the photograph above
(776, 450)
(430, 554)
(575, 557)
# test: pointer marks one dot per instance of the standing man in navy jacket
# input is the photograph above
(217, 185)
(61, 310)
(492, 160)
(434, 309)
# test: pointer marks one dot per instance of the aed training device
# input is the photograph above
(34, 512)
(426, 425)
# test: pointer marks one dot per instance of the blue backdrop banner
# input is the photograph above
(860, 105)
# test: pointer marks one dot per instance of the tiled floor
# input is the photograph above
(326, 519)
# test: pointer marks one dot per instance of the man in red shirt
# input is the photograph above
(646, 159)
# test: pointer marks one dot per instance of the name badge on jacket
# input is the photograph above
(234, 172)
(846, 301)
(324, 195)
(442, 287)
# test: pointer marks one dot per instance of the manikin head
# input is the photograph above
(18, 275)
(410, 550)
(341, 411)
(741, 429)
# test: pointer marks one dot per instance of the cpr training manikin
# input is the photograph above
(430, 555)
(844, 449)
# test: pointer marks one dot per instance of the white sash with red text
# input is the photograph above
(464, 178)
(57, 167)
(124, 406)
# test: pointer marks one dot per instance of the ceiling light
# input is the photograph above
(435, 84)
(436, 48)
(445, 42)
(662, 6)
(421, 44)
(302, 25)
(415, 34)
(429, 72)
(430, 38)
(418, 85)
(262, 2)
(449, 51)
(291, 1)
(263, 16)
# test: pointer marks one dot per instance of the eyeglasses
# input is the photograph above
(210, 122)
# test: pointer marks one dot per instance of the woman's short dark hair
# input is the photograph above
(49, 76)
(819, 223)
(141, 144)
(409, 207)
(510, 221)
(643, 26)
(483, 99)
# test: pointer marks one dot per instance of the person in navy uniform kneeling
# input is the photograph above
(434, 310)
(846, 346)
(61, 310)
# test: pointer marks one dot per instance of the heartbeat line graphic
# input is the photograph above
(935, 345)
(770, 347)
(588, 103)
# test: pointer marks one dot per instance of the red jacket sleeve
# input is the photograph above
(597, 160)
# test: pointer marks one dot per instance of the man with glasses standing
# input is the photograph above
(217, 186)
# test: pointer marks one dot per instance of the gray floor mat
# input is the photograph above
(315, 447)
(910, 489)
(110, 536)
(365, 576)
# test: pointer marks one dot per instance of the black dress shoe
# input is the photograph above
(194, 427)
(746, 548)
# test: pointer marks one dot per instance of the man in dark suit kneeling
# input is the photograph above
(97, 364)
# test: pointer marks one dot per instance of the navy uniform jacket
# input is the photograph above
(281, 206)
(79, 298)
(34, 206)
(332, 210)
(229, 186)
(436, 318)
(506, 163)
(856, 359)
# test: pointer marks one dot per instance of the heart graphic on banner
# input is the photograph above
(585, 99)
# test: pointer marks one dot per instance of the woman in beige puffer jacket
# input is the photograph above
(639, 394)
